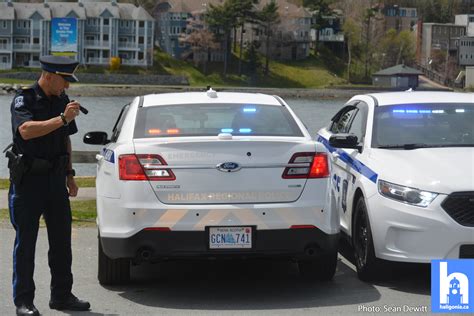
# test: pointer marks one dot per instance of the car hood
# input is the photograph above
(441, 170)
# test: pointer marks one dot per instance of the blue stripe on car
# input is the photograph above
(108, 155)
(354, 163)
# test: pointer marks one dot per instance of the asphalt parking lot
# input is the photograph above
(218, 287)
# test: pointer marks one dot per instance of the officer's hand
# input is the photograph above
(71, 111)
(72, 186)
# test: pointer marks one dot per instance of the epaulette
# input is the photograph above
(24, 89)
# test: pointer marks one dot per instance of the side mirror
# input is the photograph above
(96, 138)
(345, 141)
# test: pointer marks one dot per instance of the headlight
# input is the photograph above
(406, 194)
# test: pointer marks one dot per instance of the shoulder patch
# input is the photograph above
(19, 101)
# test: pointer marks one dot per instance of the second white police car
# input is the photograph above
(208, 174)
(402, 172)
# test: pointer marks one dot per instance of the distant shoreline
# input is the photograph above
(110, 91)
(96, 90)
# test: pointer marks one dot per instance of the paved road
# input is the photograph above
(215, 288)
(83, 194)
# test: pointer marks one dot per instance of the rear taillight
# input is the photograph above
(307, 165)
(144, 167)
(320, 166)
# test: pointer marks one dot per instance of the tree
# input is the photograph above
(368, 16)
(244, 11)
(320, 9)
(202, 42)
(352, 34)
(253, 59)
(396, 48)
(268, 18)
(221, 20)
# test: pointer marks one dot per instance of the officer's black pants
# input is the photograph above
(41, 195)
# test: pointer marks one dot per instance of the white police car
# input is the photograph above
(208, 174)
(402, 172)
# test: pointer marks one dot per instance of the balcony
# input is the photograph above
(127, 45)
(331, 38)
(134, 62)
(98, 61)
(26, 47)
(6, 47)
(97, 44)
(34, 64)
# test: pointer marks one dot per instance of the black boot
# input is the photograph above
(71, 303)
(27, 309)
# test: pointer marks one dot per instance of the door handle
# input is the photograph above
(99, 157)
(335, 155)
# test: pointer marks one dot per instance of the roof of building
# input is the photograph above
(6, 12)
(400, 69)
(183, 6)
(63, 9)
(285, 8)
(24, 11)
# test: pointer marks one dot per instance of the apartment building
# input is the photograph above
(466, 20)
(399, 18)
(466, 51)
(104, 30)
(291, 37)
(172, 18)
(437, 36)
(333, 32)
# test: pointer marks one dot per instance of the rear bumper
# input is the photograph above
(161, 245)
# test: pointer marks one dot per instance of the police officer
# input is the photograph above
(42, 119)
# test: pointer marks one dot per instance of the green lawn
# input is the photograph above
(83, 213)
(82, 182)
(309, 73)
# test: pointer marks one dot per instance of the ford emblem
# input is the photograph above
(228, 167)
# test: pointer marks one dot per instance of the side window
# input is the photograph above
(342, 120)
(357, 126)
(118, 124)
(359, 122)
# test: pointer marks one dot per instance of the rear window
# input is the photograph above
(213, 119)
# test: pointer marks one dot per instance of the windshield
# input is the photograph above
(411, 126)
(214, 119)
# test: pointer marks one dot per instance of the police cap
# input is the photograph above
(60, 65)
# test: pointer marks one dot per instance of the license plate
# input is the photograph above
(230, 237)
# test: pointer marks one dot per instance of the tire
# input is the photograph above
(112, 271)
(369, 268)
(321, 269)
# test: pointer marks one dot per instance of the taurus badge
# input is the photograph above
(228, 167)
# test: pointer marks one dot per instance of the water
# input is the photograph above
(103, 113)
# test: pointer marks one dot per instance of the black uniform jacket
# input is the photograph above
(31, 104)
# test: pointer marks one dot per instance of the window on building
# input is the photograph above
(105, 37)
(4, 24)
(141, 40)
(4, 59)
(105, 54)
(106, 21)
(141, 24)
(36, 40)
(140, 55)
(471, 19)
